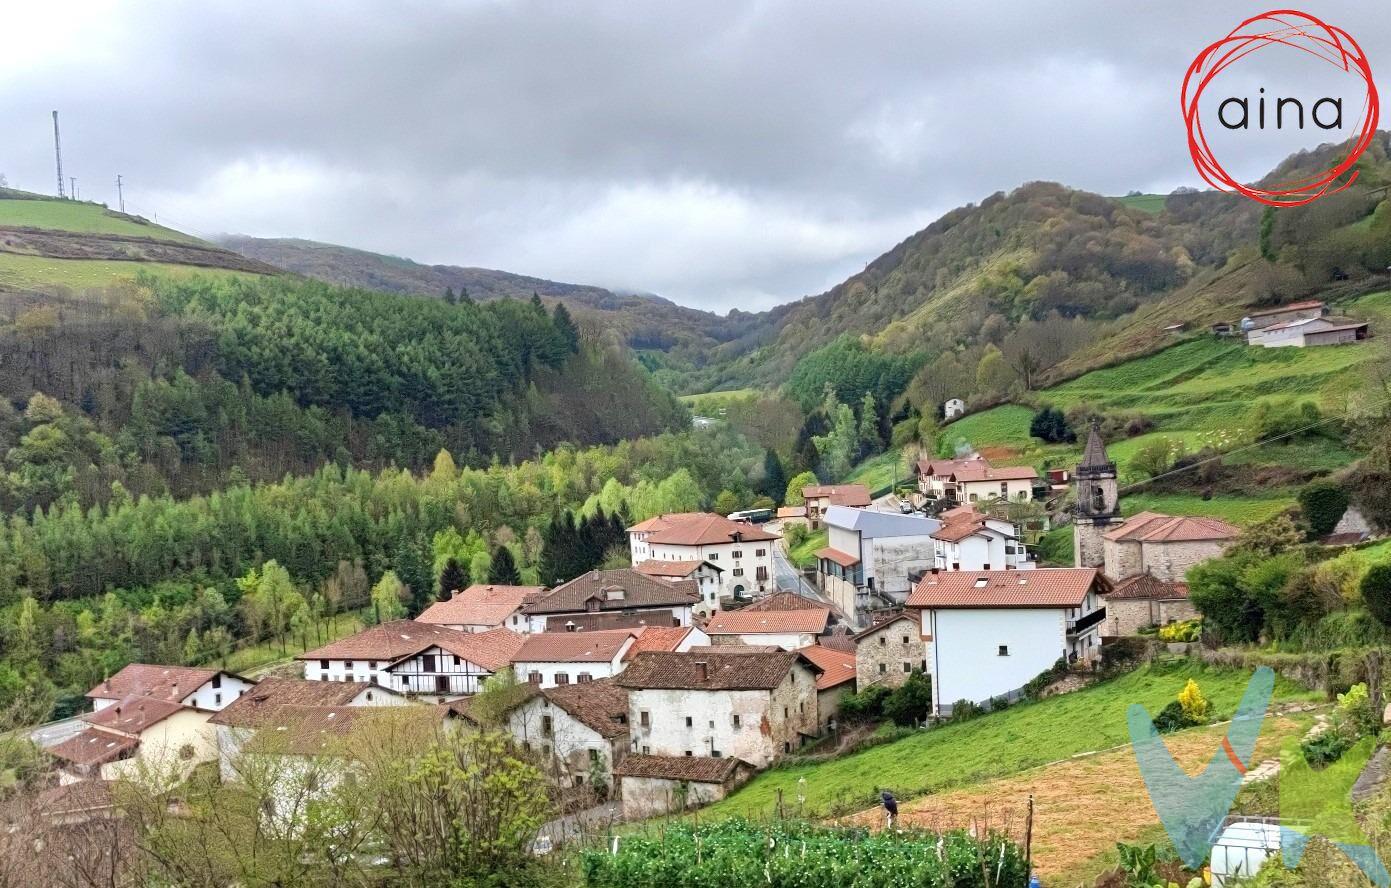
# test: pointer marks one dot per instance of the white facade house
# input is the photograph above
(705, 575)
(751, 706)
(481, 607)
(872, 552)
(988, 633)
(205, 689)
(414, 658)
(935, 475)
(743, 552)
(549, 659)
(581, 730)
(981, 483)
(953, 408)
(969, 540)
(1308, 332)
(623, 593)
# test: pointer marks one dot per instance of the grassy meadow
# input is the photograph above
(83, 218)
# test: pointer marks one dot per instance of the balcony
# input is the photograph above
(1082, 624)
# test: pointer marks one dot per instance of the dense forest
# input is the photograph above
(185, 386)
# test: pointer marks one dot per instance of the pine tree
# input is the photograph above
(565, 327)
(449, 296)
(452, 579)
(536, 302)
(774, 484)
(464, 297)
(504, 570)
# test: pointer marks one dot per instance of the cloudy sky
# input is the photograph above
(721, 154)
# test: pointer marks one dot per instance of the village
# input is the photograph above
(667, 684)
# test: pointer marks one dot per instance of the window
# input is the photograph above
(738, 553)
(1004, 650)
(645, 719)
(217, 699)
(457, 661)
(562, 678)
(801, 708)
(736, 720)
(594, 756)
(905, 639)
(738, 571)
(583, 677)
(369, 696)
(647, 750)
(712, 724)
(545, 749)
(715, 753)
(622, 719)
(688, 753)
(547, 726)
(323, 664)
(689, 722)
(759, 553)
(907, 667)
(714, 556)
(786, 712)
(534, 677)
(883, 668)
(883, 641)
(429, 661)
(217, 681)
(372, 664)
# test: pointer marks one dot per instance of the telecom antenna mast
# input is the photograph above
(58, 154)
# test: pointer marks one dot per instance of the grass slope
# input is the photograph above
(991, 746)
(83, 218)
(34, 272)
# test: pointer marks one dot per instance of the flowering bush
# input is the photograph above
(1195, 706)
(1185, 630)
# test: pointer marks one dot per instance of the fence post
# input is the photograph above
(1029, 835)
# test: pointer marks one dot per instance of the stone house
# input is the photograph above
(787, 629)
(1144, 600)
(1164, 546)
(580, 729)
(753, 706)
(888, 652)
(837, 680)
(658, 784)
(820, 498)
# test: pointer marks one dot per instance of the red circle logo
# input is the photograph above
(1296, 30)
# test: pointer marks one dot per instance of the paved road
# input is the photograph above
(790, 579)
(565, 829)
(54, 733)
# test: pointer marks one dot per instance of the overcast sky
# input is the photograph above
(720, 154)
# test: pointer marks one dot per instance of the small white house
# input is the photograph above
(205, 689)
(581, 730)
(482, 607)
(981, 483)
(705, 574)
(953, 408)
(549, 659)
(935, 475)
(742, 551)
(988, 633)
(969, 540)
(415, 658)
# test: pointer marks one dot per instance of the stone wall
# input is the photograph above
(885, 647)
(1171, 561)
(650, 796)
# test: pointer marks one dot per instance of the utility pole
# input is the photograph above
(58, 154)
(72, 187)
(120, 194)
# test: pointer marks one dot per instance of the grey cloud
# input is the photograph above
(722, 154)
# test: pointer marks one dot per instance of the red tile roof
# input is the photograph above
(943, 468)
(784, 601)
(1156, 527)
(721, 671)
(1040, 588)
(852, 495)
(574, 647)
(147, 680)
(94, 747)
(699, 529)
(657, 638)
(886, 623)
(688, 768)
(654, 567)
(614, 590)
(844, 559)
(480, 605)
(1293, 306)
(971, 474)
(746, 622)
(133, 715)
(254, 706)
(399, 639)
(839, 666)
(1146, 587)
(78, 797)
(601, 705)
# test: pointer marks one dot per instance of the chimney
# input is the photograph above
(934, 571)
(702, 671)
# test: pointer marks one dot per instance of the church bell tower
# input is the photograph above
(1098, 502)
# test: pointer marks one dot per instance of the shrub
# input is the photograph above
(1184, 630)
(1171, 718)
(1123, 653)
(1325, 749)
(865, 705)
(910, 702)
(1376, 592)
(1050, 425)
(965, 710)
(1036, 685)
(1323, 504)
(1196, 707)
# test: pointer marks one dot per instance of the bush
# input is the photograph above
(1323, 504)
(911, 702)
(1123, 653)
(1035, 686)
(1050, 425)
(1184, 630)
(1171, 718)
(866, 705)
(1196, 707)
(1325, 749)
(1376, 592)
(965, 710)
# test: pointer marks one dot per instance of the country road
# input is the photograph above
(790, 579)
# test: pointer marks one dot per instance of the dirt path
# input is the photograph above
(1082, 807)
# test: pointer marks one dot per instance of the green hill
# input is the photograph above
(47, 243)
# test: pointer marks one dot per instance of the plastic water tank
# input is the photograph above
(1247, 325)
(1242, 848)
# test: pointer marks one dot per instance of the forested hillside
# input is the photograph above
(670, 339)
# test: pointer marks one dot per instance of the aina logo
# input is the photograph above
(1291, 32)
